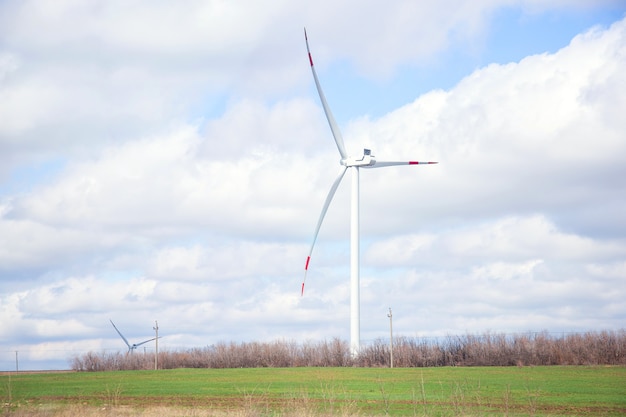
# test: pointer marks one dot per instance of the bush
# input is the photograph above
(591, 348)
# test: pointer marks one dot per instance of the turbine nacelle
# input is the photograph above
(365, 160)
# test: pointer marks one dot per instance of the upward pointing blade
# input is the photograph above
(329, 198)
(121, 335)
(331, 120)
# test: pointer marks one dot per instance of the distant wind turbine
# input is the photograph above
(134, 346)
(366, 160)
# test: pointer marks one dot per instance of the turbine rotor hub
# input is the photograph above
(365, 160)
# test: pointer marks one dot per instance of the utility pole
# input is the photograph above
(390, 337)
(156, 341)
(17, 366)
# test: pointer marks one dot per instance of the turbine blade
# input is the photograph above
(329, 116)
(120, 333)
(144, 342)
(381, 164)
(329, 198)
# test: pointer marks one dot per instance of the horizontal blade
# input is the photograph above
(120, 333)
(381, 164)
(329, 116)
(329, 198)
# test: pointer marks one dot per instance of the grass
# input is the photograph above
(510, 391)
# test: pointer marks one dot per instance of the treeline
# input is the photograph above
(528, 349)
(531, 349)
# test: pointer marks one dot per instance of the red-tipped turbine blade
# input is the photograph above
(306, 268)
(381, 164)
(329, 198)
(329, 116)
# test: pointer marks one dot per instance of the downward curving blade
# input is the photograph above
(329, 198)
(331, 120)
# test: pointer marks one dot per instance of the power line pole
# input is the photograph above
(156, 341)
(17, 366)
(390, 337)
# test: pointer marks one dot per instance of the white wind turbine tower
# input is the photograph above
(366, 160)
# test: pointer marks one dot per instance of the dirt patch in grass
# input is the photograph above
(251, 405)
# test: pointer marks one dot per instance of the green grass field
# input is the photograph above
(512, 391)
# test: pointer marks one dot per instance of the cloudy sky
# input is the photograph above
(168, 161)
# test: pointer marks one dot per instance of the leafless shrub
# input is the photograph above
(489, 349)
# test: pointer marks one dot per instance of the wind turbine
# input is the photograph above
(134, 346)
(354, 163)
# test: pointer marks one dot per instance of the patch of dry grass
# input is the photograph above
(162, 411)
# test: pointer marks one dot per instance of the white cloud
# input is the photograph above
(522, 138)
(224, 261)
(107, 70)
(505, 271)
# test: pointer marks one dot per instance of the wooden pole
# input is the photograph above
(156, 341)
(390, 337)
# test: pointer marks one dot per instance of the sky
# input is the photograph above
(168, 161)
